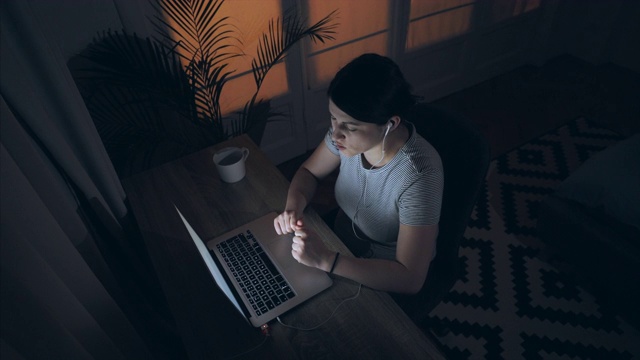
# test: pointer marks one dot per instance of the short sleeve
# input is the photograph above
(421, 202)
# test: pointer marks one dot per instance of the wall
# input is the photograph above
(623, 48)
(71, 25)
(597, 31)
(500, 35)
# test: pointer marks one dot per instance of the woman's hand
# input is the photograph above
(308, 249)
(303, 186)
(286, 222)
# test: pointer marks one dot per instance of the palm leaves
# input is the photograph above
(273, 46)
(157, 99)
(203, 39)
(282, 35)
(208, 42)
(140, 100)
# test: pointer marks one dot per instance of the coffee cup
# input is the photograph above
(230, 163)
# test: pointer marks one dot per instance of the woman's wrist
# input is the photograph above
(296, 202)
(335, 262)
(330, 261)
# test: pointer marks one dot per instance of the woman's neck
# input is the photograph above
(395, 140)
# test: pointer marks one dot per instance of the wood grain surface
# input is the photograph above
(370, 326)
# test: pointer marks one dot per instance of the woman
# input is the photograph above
(389, 187)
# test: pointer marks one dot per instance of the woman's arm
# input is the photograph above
(303, 186)
(415, 249)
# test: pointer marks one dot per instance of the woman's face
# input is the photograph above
(351, 136)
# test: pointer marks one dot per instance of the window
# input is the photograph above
(434, 21)
(363, 27)
(506, 9)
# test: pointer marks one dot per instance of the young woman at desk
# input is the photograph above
(389, 187)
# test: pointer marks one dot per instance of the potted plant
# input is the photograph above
(155, 99)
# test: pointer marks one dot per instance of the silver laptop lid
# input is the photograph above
(213, 268)
(304, 281)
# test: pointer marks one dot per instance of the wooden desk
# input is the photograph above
(370, 327)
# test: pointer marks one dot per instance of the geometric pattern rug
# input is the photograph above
(509, 303)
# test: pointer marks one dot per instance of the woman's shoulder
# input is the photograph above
(420, 154)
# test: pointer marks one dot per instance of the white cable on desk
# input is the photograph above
(330, 316)
(296, 328)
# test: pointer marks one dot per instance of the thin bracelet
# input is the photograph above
(335, 260)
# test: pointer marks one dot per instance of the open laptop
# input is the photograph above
(254, 268)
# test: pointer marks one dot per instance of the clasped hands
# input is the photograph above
(307, 248)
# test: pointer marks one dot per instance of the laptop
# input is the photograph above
(254, 268)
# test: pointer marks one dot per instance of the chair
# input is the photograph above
(465, 158)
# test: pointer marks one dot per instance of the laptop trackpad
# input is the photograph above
(280, 248)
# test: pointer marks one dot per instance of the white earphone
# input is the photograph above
(363, 196)
(384, 138)
(364, 190)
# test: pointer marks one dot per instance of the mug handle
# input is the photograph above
(245, 153)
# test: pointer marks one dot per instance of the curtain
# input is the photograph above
(62, 203)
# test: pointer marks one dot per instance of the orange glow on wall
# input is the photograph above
(323, 66)
(238, 90)
(432, 21)
(505, 9)
(249, 18)
(421, 8)
(358, 19)
(363, 27)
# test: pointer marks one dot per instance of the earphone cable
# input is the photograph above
(330, 316)
(363, 195)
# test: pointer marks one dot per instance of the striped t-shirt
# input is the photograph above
(406, 190)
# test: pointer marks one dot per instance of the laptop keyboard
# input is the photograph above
(261, 282)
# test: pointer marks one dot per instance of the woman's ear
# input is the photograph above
(394, 121)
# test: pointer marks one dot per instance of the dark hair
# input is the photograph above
(371, 88)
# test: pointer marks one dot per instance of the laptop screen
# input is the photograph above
(213, 269)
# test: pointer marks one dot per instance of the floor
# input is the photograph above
(514, 108)
(515, 297)
(522, 104)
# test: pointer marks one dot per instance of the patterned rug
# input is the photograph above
(508, 303)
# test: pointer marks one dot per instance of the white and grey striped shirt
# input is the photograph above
(406, 190)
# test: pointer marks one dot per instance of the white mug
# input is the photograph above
(230, 163)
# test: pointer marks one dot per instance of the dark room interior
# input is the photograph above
(552, 85)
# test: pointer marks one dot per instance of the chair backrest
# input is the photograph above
(465, 158)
